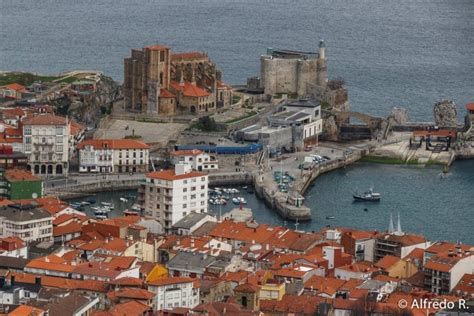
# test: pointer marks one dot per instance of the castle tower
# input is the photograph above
(322, 75)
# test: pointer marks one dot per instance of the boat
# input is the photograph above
(101, 216)
(91, 201)
(100, 212)
(136, 207)
(130, 213)
(122, 199)
(106, 204)
(370, 196)
(130, 196)
(239, 200)
(330, 217)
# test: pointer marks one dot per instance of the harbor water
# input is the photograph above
(439, 206)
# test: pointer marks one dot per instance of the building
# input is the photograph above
(445, 269)
(359, 244)
(12, 159)
(46, 142)
(20, 184)
(170, 195)
(197, 159)
(13, 91)
(113, 155)
(27, 222)
(13, 247)
(293, 72)
(470, 119)
(191, 222)
(174, 292)
(157, 82)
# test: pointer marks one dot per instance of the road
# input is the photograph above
(58, 182)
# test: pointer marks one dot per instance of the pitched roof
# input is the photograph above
(386, 262)
(129, 308)
(45, 119)
(70, 228)
(113, 144)
(470, 106)
(171, 175)
(23, 310)
(189, 90)
(246, 288)
(131, 293)
(14, 86)
(164, 93)
(170, 281)
(14, 175)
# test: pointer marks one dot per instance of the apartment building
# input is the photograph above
(46, 142)
(27, 222)
(170, 195)
(113, 155)
(198, 159)
(171, 292)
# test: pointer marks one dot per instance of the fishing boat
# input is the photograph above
(239, 200)
(106, 204)
(136, 207)
(100, 212)
(369, 196)
(122, 199)
(101, 216)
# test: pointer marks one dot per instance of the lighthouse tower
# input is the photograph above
(321, 74)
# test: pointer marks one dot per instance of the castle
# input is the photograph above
(293, 72)
(158, 82)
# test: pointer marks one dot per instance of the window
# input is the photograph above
(185, 206)
(203, 178)
(185, 189)
(59, 148)
(59, 130)
(28, 130)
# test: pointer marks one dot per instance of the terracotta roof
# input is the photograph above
(19, 243)
(23, 310)
(127, 281)
(470, 106)
(156, 47)
(465, 285)
(51, 263)
(170, 175)
(70, 228)
(129, 308)
(324, 285)
(416, 254)
(359, 267)
(45, 119)
(292, 304)
(188, 55)
(246, 288)
(443, 263)
(113, 144)
(386, 262)
(189, 90)
(164, 93)
(14, 175)
(62, 283)
(4, 202)
(251, 232)
(12, 113)
(190, 152)
(76, 127)
(170, 281)
(131, 293)
(14, 86)
(403, 240)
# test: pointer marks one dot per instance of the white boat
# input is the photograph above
(101, 217)
(106, 204)
(136, 207)
(122, 199)
(239, 200)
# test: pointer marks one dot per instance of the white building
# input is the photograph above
(170, 195)
(174, 292)
(13, 247)
(113, 155)
(26, 222)
(198, 159)
(46, 140)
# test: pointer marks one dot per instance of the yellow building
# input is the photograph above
(272, 291)
(397, 267)
(142, 250)
(158, 272)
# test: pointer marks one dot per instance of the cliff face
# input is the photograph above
(90, 108)
(445, 113)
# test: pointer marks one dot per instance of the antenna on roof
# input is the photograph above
(390, 225)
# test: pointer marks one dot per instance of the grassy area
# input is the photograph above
(68, 80)
(243, 117)
(24, 79)
(236, 98)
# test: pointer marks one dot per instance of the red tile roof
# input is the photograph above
(164, 93)
(23, 310)
(129, 308)
(292, 304)
(156, 47)
(387, 262)
(188, 55)
(14, 86)
(470, 106)
(131, 293)
(189, 90)
(70, 228)
(45, 119)
(170, 281)
(113, 144)
(170, 175)
(14, 175)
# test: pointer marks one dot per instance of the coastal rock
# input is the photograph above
(445, 113)
(398, 116)
(330, 128)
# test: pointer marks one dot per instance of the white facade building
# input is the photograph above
(170, 195)
(26, 222)
(174, 292)
(46, 141)
(113, 155)
(198, 159)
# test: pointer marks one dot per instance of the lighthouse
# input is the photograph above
(322, 50)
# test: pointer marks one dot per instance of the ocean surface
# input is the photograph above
(408, 53)
(440, 207)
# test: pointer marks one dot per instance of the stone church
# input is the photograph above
(158, 82)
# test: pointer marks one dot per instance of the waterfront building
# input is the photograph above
(169, 195)
(171, 292)
(113, 155)
(397, 245)
(17, 184)
(197, 159)
(157, 82)
(27, 222)
(46, 140)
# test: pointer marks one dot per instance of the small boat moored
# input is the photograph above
(330, 217)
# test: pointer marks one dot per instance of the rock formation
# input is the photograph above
(398, 116)
(445, 113)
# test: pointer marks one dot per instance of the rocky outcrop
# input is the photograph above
(330, 129)
(398, 116)
(445, 114)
